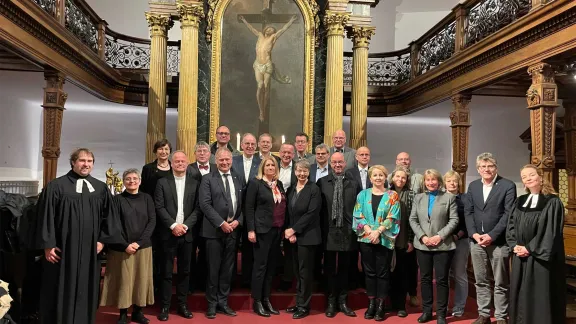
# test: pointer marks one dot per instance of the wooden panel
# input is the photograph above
(570, 242)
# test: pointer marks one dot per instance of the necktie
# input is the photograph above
(363, 177)
(229, 197)
(203, 167)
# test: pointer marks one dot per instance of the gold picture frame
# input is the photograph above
(309, 10)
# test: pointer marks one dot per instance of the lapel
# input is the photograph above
(237, 187)
(219, 181)
(312, 175)
(478, 194)
(495, 188)
(187, 188)
(172, 185)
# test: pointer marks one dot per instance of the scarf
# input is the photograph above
(275, 191)
(338, 200)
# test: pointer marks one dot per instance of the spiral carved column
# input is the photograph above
(570, 139)
(156, 126)
(359, 114)
(335, 23)
(54, 101)
(460, 124)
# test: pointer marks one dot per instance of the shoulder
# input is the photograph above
(507, 182)
(551, 199)
(146, 197)
(149, 166)
(312, 186)
(97, 184)
(237, 158)
(420, 196)
(448, 196)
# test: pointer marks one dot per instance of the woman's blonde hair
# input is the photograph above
(399, 168)
(434, 173)
(453, 174)
(263, 163)
(547, 188)
(377, 167)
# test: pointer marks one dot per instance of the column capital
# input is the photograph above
(361, 35)
(335, 22)
(159, 24)
(543, 92)
(190, 14)
(54, 95)
(460, 116)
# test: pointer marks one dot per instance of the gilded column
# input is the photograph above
(570, 139)
(335, 23)
(460, 124)
(54, 101)
(542, 97)
(190, 15)
(359, 115)
(156, 126)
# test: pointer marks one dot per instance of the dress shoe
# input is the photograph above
(292, 309)
(346, 310)
(211, 313)
(138, 317)
(163, 316)
(123, 319)
(501, 321)
(440, 320)
(301, 313)
(371, 311)
(268, 306)
(402, 313)
(184, 312)
(482, 320)
(379, 317)
(425, 317)
(226, 310)
(331, 310)
(259, 309)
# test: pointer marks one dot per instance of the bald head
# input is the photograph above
(363, 156)
(403, 159)
(339, 139)
(338, 163)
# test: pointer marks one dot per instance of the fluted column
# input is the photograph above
(460, 124)
(542, 97)
(335, 23)
(54, 101)
(359, 115)
(156, 126)
(190, 15)
(570, 139)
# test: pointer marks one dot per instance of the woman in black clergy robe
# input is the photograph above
(75, 218)
(535, 235)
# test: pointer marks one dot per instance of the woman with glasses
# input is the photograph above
(128, 279)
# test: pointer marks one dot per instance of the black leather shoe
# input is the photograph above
(371, 311)
(380, 313)
(226, 310)
(292, 309)
(138, 317)
(163, 316)
(425, 317)
(331, 310)
(268, 306)
(301, 313)
(402, 313)
(123, 319)
(259, 309)
(440, 320)
(346, 310)
(184, 312)
(211, 313)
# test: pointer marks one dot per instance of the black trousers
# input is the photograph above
(221, 257)
(412, 272)
(199, 263)
(171, 248)
(356, 276)
(376, 261)
(438, 262)
(247, 249)
(157, 262)
(288, 258)
(336, 268)
(303, 261)
(399, 280)
(265, 255)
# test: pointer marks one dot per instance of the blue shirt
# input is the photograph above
(431, 199)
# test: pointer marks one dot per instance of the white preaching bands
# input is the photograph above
(79, 184)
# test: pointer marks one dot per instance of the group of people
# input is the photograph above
(324, 211)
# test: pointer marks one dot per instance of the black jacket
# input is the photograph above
(303, 215)
(260, 206)
(150, 176)
(214, 204)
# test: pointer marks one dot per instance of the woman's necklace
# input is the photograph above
(163, 166)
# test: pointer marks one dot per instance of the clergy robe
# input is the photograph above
(538, 281)
(73, 222)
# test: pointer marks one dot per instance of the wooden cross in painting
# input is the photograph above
(264, 68)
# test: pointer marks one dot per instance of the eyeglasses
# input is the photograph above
(487, 167)
(338, 162)
(222, 133)
(131, 179)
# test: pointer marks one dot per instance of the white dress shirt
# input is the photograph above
(180, 185)
(286, 175)
(487, 187)
(321, 172)
(203, 172)
(232, 190)
(247, 167)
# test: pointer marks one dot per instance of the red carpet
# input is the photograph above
(240, 302)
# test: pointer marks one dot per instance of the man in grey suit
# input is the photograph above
(221, 203)
(489, 202)
(416, 179)
(301, 145)
(339, 141)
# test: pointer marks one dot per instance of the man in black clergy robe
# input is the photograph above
(176, 200)
(75, 219)
(221, 203)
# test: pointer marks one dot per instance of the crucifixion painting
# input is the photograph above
(264, 68)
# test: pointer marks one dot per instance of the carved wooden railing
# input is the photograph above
(27, 188)
(469, 23)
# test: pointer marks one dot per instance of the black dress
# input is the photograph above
(538, 282)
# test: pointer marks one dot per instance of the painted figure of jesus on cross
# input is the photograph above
(264, 67)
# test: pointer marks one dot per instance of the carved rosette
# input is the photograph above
(190, 15)
(460, 124)
(335, 22)
(158, 24)
(361, 36)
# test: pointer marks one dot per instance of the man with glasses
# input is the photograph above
(416, 179)
(488, 204)
(321, 168)
(301, 145)
(339, 142)
(222, 140)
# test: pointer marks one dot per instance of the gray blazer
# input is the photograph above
(443, 221)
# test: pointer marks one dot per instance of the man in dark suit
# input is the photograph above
(301, 144)
(198, 169)
(176, 200)
(246, 167)
(339, 240)
(221, 203)
(489, 202)
(321, 167)
(265, 147)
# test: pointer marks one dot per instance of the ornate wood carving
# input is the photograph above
(54, 101)
(570, 140)
(542, 102)
(460, 124)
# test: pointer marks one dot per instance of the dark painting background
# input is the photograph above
(238, 105)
